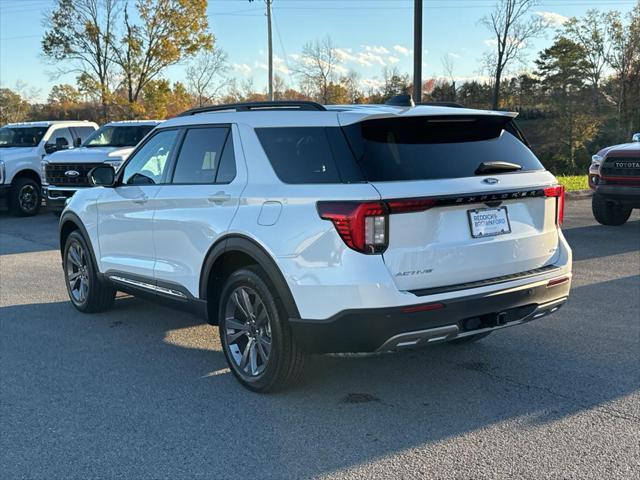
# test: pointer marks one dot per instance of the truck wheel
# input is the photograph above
(25, 197)
(86, 292)
(255, 333)
(609, 213)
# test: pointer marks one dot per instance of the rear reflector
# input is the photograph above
(423, 308)
(557, 191)
(557, 281)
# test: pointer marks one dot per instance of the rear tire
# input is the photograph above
(25, 197)
(470, 338)
(86, 292)
(255, 333)
(609, 213)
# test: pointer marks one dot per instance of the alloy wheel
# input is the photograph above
(77, 272)
(247, 332)
(28, 198)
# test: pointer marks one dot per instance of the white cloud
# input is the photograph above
(402, 50)
(343, 54)
(372, 83)
(279, 65)
(367, 59)
(375, 49)
(391, 59)
(242, 68)
(454, 55)
(552, 18)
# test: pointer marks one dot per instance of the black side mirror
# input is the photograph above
(103, 176)
(61, 143)
(77, 142)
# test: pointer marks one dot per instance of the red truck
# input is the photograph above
(614, 177)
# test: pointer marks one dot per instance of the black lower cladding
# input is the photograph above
(624, 194)
(365, 330)
(5, 190)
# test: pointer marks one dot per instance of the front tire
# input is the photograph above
(86, 292)
(255, 334)
(609, 213)
(25, 197)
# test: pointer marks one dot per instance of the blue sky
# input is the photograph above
(370, 34)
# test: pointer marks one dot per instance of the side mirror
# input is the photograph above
(103, 176)
(636, 137)
(61, 143)
(77, 142)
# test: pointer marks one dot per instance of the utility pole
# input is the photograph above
(270, 49)
(417, 51)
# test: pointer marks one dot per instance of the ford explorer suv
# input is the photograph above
(22, 147)
(66, 171)
(614, 177)
(299, 228)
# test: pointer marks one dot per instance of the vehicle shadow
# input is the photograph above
(587, 241)
(144, 391)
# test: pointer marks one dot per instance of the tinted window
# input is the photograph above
(308, 154)
(83, 132)
(147, 166)
(21, 136)
(227, 168)
(118, 136)
(61, 133)
(422, 148)
(200, 154)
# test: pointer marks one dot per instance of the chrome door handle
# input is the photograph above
(219, 197)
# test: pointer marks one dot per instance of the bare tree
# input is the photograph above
(81, 33)
(511, 27)
(206, 75)
(448, 65)
(316, 67)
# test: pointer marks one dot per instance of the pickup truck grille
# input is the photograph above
(621, 167)
(58, 174)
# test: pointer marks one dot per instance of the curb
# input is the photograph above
(578, 194)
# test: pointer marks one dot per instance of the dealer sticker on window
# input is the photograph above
(488, 222)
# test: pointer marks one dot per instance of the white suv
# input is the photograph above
(22, 148)
(299, 228)
(66, 171)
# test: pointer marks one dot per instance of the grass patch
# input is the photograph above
(574, 182)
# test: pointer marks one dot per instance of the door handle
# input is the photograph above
(140, 200)
(219, 197)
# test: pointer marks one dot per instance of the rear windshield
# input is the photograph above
(397, 149)
(425, 148)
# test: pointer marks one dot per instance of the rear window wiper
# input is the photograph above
(497, 167)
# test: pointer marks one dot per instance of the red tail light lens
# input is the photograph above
(362, 226)
(410, 205)
(558, 192)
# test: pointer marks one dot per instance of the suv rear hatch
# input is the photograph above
(468, 202)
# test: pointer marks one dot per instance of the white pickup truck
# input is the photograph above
(22, 148)
(67, 171)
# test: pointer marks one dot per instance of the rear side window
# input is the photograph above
(83, 132)
(200, 155)
(309, 154)
(425, 148)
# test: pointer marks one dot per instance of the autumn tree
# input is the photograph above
(511, 26)
(13, 108)
(81, 33)
(168, 31)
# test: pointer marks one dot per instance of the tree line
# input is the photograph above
(579, 94)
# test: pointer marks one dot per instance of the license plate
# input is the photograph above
(488, 222)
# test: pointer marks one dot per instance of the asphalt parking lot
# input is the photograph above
(143, 391)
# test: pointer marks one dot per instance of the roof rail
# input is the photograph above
(249, 106)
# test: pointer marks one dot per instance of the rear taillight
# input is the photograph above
(362, 226)
(557, 191)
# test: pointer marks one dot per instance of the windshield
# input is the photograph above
(21, 136)
(117, 136)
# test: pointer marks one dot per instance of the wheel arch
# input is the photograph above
(233, 252)
(70, 222)
(27, 173)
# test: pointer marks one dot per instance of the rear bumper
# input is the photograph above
(625, 194)
(369, 330)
